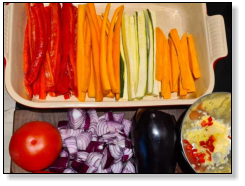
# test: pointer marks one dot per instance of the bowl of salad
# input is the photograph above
(206, 134)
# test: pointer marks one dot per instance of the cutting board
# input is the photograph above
(22, 116)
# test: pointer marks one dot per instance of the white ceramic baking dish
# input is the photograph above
(208, 31)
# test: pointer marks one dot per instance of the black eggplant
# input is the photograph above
(154, 142)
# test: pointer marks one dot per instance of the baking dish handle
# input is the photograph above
(217, 37)
(6, 30)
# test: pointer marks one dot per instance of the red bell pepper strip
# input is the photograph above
(42, 91)
(40, 54)
(27, 59)
(28, 10)
(62, 88)
(72, 54)
(72, 78)
(55, 40)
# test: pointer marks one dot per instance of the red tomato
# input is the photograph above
(35, 146)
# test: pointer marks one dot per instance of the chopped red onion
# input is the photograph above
(77, 165)
(82, 156)
(91, 170)
(113, 126)
(103, 171)
(64, 153)
(59, 165)
(93, 116)
(84, 168)
(102, 117)
(93, 128)
(94, 159)
(95, 146)
(127, 126)
(129, 168)
(102, 127)
(71, 145)
(116, 161)
(116, 151)
(117, 168)
(66, 133)
(109, 116)
(76, 118)
(94, 138)
(69, 171)
(83, 140)
(107, 159)
(87, 123)
(127, 154)
(63, 125)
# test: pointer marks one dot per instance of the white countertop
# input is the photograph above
(9, 108)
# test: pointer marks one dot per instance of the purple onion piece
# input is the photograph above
(110, 116)
(102, 127)
(66, 133)
(83, 140)
(127, 126)
(93, 116)
(103, 171)
(59, 165)
(117, 168)
(127, 154)
(93, 128)
(115, 151)
(71, 145)
(94, 138)
(64, 153)
(76, 118)
(82, 156)
(102, 117)
(128, 144)
(91, 170)
(94, 159)
(87, 122)
(107, 159)
(129, 168)
(69, 171)
(63, 125)
(116, 161)
(95, 146)
(84, 168)
(77, 165)
(113, 126)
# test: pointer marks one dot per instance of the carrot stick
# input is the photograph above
(184, 46)
(193, 58)
(183, 66)
(85, 28)
(81, 52)
(110, 64)
(182, 91)
(116, 51)
(110, 95)
(175, 71)
(159, 55)
(165, 69)
(88, 42)
(91, 88)
(100, 20)
(92, 10)
(96, 58)
(106, 87)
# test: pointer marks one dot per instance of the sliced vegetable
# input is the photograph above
(127, 44)
(83, 140)
(159, 54)
(94, 159)
(96, 58)
(175, 71)
(123, 72)
(82, 156)
(183, 66)
(71, 145)
(69, 171)
(106, 87)
(129, 168)
(64, 153)
(117, 168)
(116, 151)
(127, 154)
(59, 165)
(76, 118)
(127, 126)
(142, 83)
(116, 50)
(81, 53)
(150, 51)
(194, 65)
(95, 146)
